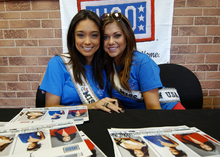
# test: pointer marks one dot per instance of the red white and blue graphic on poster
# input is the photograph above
(139, 13)
(151, 22)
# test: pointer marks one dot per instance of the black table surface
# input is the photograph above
(96, 128)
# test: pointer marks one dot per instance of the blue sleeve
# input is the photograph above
(54, 77)
(149, 75)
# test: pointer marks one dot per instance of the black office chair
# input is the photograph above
(40, 98)
(185, 82)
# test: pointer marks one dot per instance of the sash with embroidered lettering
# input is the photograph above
(84, 91)
(165, 94)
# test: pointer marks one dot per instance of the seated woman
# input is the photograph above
(134, 76)
(78, 77)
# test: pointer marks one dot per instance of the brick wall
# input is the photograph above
(30, 34)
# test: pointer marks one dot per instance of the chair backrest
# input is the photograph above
(185, 82)
(40, 98)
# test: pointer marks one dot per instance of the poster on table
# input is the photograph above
(163, 142)
(151, 22)
(50, 139)
(29, 116)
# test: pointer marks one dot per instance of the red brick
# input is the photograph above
(191, 67)
(29, 77)
(183, 49)
(34, 15)
(213, 75)
(187, 12)
(205, 92)
(7, 43)
(177, 59)
(207, 101)
(179, 40)
(213, 30)
(26, 42)
(20, 61)
(4, 24)
(208, 48)
(58, 33)
(50, 42)
(206, 21)
(211, 11)
(201, 3)
(33, 51)
(30, 102)
(207, 67)
(1, 34)
(43, 60)
(210, 84)
(12, 69)
(212, 58)
(55, 50)
(9, 15)
(192, 31)
(26, 94)
(54, 14)
(17, 5)
(200, 40)
(214, 92)
(25, 24)
(182, 20)
(2, 86)
(38, 69)
(18, 86)
(7, 94)
(12, 34)
(8, 77)
(2, 7)
(51, 23)
(40, 33)
(45, 5)
(12, 103)
(195, 58)
(3, 61)
(216, 40)
(216, 101)
(9, 51)
(179, 3)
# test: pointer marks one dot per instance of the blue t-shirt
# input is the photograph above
(144, 76)
(25, 136)
(57, 81)
(155, 140)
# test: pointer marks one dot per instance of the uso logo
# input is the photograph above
(139, 12)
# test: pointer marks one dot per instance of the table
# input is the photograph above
(96, 128)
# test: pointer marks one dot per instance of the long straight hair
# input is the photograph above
(127, 56)
(76, 58)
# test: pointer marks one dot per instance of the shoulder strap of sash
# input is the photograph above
(165, 94)
(84, 91)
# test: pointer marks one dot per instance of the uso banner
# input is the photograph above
(151, 22)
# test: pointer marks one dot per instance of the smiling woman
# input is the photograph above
(78, 78)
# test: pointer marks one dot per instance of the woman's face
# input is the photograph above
(87, 38)
(138, 153)
(66, 138)
(77, 114)
(206, 147)
(114, 41)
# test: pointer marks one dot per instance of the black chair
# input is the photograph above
(40, 98)
(185, 82)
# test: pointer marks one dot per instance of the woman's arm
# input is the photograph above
(151, 99)
(54, 101)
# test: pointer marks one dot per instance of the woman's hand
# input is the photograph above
(106, 104)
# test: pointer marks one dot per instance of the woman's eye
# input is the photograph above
(105, 37)
(117, 35)
(80, 35)
(95, 35)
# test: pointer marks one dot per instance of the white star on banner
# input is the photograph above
(141, 9)
(141, 27)
(141, 18)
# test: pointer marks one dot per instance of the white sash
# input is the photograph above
(84, 91)
(165, 94)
